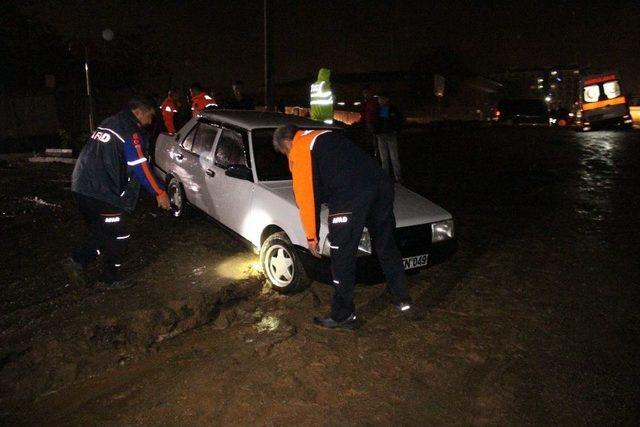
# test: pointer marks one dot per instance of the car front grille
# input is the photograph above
(416, 238)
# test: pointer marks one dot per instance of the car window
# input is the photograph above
(187, 143)
(270, 165)
(204, 139)
(230, 149)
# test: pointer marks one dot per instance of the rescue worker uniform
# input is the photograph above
(169, 110)
(321, 102)
(106, 182)
(201, 101)
(328, 168)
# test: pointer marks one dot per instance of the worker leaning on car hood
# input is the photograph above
(106, 182)
(328, 168)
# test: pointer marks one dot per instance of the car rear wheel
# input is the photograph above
(281, 264)
(179, 207)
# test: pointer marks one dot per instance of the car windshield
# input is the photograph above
(270, 165)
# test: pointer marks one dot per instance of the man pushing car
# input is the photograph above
(106, 181)
(328, 168)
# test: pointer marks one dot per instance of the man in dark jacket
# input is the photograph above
(326, 167)
(239, 101)
(387, 124)
(106, 182)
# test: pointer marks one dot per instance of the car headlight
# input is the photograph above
(441, 231)
(364, 245)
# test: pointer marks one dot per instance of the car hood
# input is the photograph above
(409, 208)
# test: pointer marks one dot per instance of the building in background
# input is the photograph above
(557, 86)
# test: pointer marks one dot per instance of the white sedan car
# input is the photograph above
(223, 163)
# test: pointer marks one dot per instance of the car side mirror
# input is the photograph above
(240, 172)
(177, 137)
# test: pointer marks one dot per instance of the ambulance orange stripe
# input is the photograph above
(615, 101)
(147, 172)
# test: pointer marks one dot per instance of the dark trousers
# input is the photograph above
(108, 237)
(372, 209)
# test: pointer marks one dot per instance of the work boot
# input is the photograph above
(329, 323)
(75, 271)
(114, 285)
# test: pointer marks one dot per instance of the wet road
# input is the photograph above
(534, 321)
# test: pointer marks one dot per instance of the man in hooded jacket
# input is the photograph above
(322, 98)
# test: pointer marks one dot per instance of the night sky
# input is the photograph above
(215, 42)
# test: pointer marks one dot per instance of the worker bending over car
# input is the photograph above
(327, 167)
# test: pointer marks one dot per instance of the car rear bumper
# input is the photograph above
(368, 268)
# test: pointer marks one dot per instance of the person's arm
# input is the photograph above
(302, 174)
(139, 165)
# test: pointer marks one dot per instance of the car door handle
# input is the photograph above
(179, 156)
(210, 172)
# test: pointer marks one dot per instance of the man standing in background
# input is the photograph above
(388, 122)
(239, 101)
(368, 111)
(169, 109)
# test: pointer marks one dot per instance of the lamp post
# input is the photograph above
(92, 126)
(268, 59)
(107, 35)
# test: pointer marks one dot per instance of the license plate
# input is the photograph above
(415, 261)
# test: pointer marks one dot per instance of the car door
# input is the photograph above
(184, 164)
(203, 143)
(231, 196)
(192, 157)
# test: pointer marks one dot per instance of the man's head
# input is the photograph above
(383, 98)
(367, 93)
(238, 88)
(144, 108)
(282, 138)
(174, 93)
(195, 89)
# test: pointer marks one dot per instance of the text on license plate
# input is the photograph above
(415, 261)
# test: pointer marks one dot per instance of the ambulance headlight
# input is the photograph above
(441, 231)
(364, 246)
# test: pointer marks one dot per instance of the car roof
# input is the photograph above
(261, 119)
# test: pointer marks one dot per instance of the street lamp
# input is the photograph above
(92, 126)
(107, 35)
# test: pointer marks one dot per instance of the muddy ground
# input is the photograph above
(533, 321)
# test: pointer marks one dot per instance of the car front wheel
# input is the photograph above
(281, 264)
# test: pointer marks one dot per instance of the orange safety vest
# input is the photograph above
(200, 102)
(301, 168)
(169, 109)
